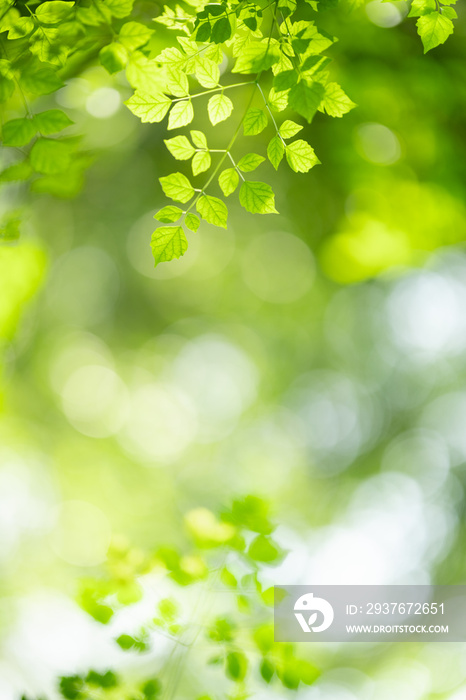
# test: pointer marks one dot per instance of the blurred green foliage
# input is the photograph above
(314, 359)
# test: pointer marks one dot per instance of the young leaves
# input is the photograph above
(181, 114)
(228, 181)
(335, 101)
(213, 210)
(50, 157)
(198, 138)
(255, 121)
(18, 132)
(149, 108)
(54, 12)
(134, 34)
(301, 156)
(207, 73)
(192, 222)
(52, 121)
(289, 129)
(201, 162)
(275, 151)
(219, 108)
(167, 243)
(168, 215)
(250, 162)
(177, 187)
(434, 28)
(257, 197)
(113, 57)
(305, 99)
(180, 148)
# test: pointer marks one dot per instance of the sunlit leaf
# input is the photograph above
(219, 108)
(181, 114)
(18, 132)
(250, 162)
(192, 222)
(301, 156)
(255, 121)
(275, 151)
(257, 197)
(149, 108)
(213, 210)
(180, 148)
(201, 162)
(168, 243)
(177, 187)
(434, 28)
(169, 214)
(228, 181)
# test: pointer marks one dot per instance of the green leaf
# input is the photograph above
(228, 181)
(180, 148)
(50, 157)
(250, 162)
(151, 689)
(199, 139)
(336, 102)
(149, 108)
(21, 28)
(285, 80)
(192, 222)
(251, 513)
(228, 579)
(207, 73)
(18, 132)
(278, 100)
(167, 243)
(263, 549)
(201, 162)
(125, 641)
(71, 687)
(305, 99)
(289, 129)
(169, 214)
(287, 7)
(422, 7)
(449, 12)
(177, 82)
(275, 151)
(267, 669)
(52, 121)
(301, 156)
(213, 210)
(134, 34)
(257, 197)
(119, 8)
(39, 79)
(434, 29)
(236, 666)
(9, 230)
(113, 57)
(102, 680)
(181, 114)
(219, 108)
(177, 187)
(257, 57)
(46, 45)
(54, 11)
(255, 121)
(16, 172)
